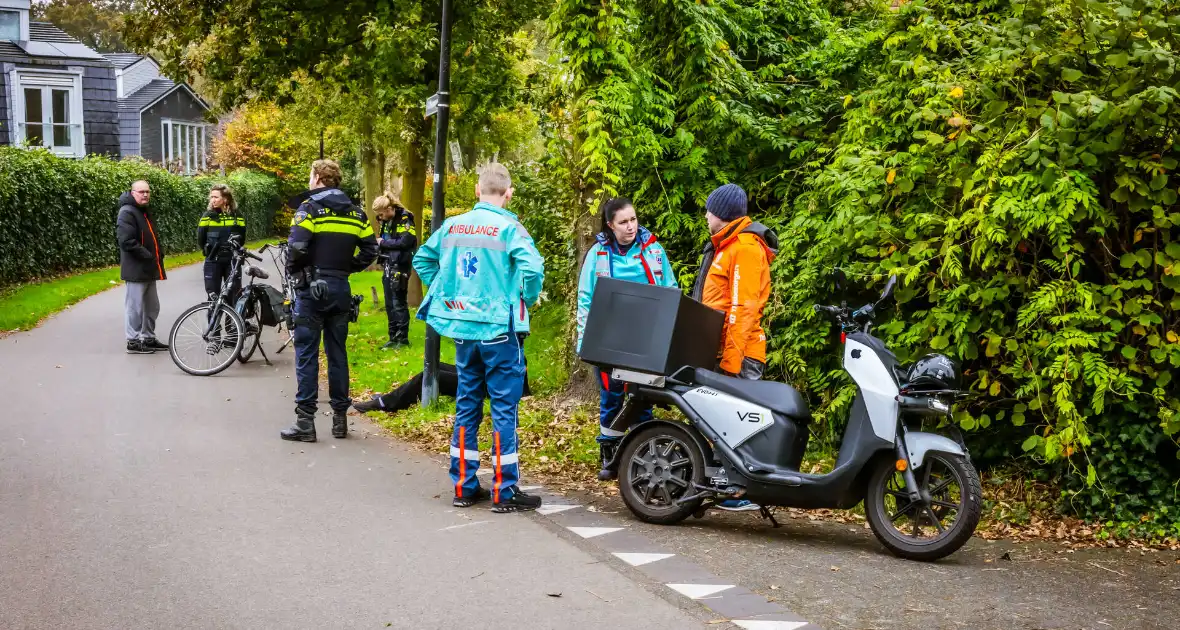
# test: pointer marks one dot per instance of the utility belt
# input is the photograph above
(311, 279)
(306, 277)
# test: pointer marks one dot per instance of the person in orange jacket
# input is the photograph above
(735, 279)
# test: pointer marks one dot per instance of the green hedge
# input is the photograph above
(59, 214)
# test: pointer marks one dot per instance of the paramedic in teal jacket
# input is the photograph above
(624, 251)
(484, 272)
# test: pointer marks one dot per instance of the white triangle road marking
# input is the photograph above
(592, 532)
(760, 624)
(697, 591)
(640, 559)
(554, 508)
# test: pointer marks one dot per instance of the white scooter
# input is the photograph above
(746, 439)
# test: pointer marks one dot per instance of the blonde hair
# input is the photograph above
(386, 201)
(328, 172)
(231, 206)
(494, 180)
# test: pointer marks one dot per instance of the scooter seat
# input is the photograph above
(778, 397)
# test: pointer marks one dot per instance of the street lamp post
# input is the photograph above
(438, 206)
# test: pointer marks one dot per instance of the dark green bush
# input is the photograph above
(58, 215)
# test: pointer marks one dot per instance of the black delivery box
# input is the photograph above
(647, 328)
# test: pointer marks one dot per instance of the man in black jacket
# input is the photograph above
(397, 242)
(326, 233)
(141, 261)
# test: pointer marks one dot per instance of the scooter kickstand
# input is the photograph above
(766, 513)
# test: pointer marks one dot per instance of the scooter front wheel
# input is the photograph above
(657, 467)
(938, 524)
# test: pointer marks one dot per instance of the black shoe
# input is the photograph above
(155, 344)
(302, 431)
(480, 496)
(340, 424)
(395, 345)
(518, 502)
(368, 405)
(137, 347)
(606, 453)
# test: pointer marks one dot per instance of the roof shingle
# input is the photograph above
(146, 95)
(123, 61)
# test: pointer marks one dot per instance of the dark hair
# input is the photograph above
(609, 210)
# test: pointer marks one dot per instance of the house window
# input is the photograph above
(184, 145)
(10, 25)
(49, 112)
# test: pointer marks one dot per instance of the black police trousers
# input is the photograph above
(216, 271)
(327, 319)
(397, 308)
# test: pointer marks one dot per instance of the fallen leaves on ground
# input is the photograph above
(1016, 510)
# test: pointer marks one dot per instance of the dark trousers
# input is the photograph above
(326, 318)
(409, 393)
(216, 271)
(397, 308)
(611, 395)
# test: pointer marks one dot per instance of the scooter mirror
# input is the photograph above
(890, 286)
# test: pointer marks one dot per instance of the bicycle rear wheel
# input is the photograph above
(253, 336)
(201, 354)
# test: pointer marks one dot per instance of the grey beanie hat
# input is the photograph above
(727, 203)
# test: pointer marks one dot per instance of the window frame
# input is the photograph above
(193, 154)
(46, 81)
(21, 21)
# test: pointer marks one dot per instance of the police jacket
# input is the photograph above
(326, 233)
(214, 231)
(141, 256)
(398, 240)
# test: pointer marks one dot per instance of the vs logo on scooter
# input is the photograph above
(750, 416)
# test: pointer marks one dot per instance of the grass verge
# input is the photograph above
(24, 306)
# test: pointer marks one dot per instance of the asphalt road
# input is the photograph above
(135, 496)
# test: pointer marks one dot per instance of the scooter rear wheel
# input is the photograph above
(657, 467)
(925, 530)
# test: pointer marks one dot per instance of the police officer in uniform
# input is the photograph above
(326, 232)
(397, 242)
(220, 223)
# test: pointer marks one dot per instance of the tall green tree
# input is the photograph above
(379, 57)
(96, 23)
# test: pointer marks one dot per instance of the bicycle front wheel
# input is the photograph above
(204, 342)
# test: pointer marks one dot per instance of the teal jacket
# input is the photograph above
(484, 271)
(645, 261)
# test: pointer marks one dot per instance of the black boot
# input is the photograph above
(302, 431)
(606, 452)
(340, 424)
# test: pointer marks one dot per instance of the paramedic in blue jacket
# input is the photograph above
(625, 251)
(484, 272)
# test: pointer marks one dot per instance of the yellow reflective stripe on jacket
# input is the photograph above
(340, 225)
(222, 222)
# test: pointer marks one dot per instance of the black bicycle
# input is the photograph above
(208, 337)
(263, 305)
